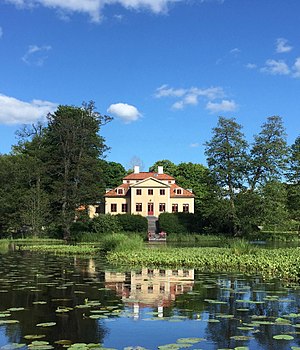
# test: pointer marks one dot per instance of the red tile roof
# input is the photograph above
(114, 192)
(184, 193)
(145, 175)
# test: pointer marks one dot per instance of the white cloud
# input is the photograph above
(296, 68)
(124, 111)
(188, 96)
(178, 105)
(194, 145)
(36, 55)
(165, 91)
(282, 46)
(14, 111)
(94, 7)
(276, 67)
(235, 51)
(251, 65)
(223, 106)
(1, 32)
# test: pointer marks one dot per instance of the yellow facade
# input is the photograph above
(147, 194)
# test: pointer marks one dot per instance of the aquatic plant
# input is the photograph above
(283, 263)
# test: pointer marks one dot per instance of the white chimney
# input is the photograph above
(136, 169)
(160, 169)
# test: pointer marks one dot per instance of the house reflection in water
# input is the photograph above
(150, 287)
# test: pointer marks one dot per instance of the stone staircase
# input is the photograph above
(152, 224)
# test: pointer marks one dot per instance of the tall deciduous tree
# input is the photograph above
(35, 207)
(74, 166)
(168, 166)
(268, 153)
(293, 187)
(227, 160)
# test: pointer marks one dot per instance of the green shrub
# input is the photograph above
(179, 223)
(106, 223)
(133, 223)
(121, 242)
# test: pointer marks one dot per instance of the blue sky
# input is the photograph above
(164, 69)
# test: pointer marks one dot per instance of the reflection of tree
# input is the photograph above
(30, 278)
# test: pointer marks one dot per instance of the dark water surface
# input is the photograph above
(60, 301)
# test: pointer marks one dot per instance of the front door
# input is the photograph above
(150, 209)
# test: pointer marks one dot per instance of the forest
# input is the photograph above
(58, 166)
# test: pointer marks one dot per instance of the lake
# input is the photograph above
(48, 301)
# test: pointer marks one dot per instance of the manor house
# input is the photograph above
(148, 194)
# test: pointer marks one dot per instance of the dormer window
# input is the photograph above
(178, 191)
(120, 191)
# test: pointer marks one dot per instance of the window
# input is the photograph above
(161, 288)
(162, 206)
(178, 191)
(174, 272)
(138, 207)
(150, 289)
(113, 208)
(124, 208)
(138, 191)
(98, 210)
(174, 208)
(120, 190)
(162, 273)
(150, 192)
(162, 192)
(138, 287)
(185, 208)
(186, 273)
(150, 272)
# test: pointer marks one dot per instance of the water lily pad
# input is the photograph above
(190, 340)
(63, 342)
(12, 346)
(2, 322)
(169, 347)
(46, 324)
(34, 336)
(241, 337)
(283, 337)
(16, 309)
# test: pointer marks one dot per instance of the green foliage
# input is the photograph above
(74, 148)
(269, 153)
(113, 173)
(106, 223)
(121, 242)
(241, 246)
(280, 263)
(132, 223)
(169, 167)
(179, 223)
(227, 159)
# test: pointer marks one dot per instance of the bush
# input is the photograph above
(121, 242)
(179, 223)
(106, 223)
(133, 223)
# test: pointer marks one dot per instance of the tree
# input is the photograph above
(113, 173)
(74, 149)
(169, 167)
(227, 160)
(274, 210)
(294, 165)
(268, 153)
(293, 187)
(35, 207)
(197, 178)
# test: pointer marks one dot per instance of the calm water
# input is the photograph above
(50, 299)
